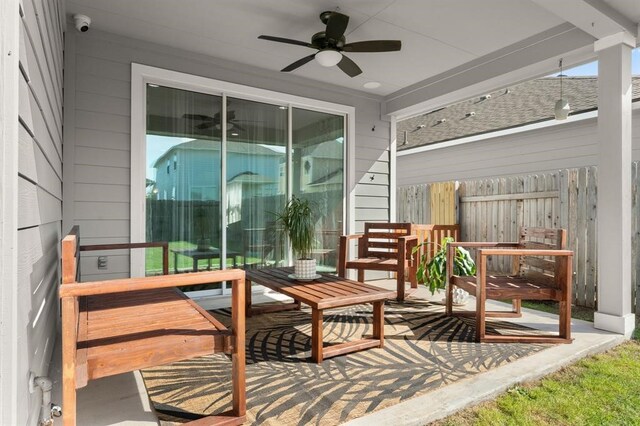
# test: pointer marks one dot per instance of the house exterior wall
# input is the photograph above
(565, 145)
(34, 301)
(98, 110)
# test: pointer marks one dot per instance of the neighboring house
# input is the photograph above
(198, 161)
(512, 132)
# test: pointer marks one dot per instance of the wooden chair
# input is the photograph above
(382, 247)
(542, 271)
(433, 235)
(122, 325)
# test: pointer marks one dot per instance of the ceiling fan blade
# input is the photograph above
(236, 126)
(204, 126)
(373, 46)
(287, 41)
(349, 67)
(336, 26)
(197, 117)
(298, 63)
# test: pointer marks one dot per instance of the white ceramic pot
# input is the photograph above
(305, 268)
(460, 296)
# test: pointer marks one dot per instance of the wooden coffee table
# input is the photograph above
(327, 292)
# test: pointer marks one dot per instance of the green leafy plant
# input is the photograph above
(433, 273)
(297, 219)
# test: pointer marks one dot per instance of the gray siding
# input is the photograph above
(39, 194)
(542, 150)
(97, 132)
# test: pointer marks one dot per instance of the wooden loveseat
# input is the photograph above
(117, 326)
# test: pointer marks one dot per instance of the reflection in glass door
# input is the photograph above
(269, 153)
(183, 185)
(256, 184)
(318, 175)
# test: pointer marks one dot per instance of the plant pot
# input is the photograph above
(459, 297)
(305, 268)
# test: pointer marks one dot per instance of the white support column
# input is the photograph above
(614, 184)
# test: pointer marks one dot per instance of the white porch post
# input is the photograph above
(614, 184)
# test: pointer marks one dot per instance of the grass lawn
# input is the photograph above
(600, 390)
(577, 312)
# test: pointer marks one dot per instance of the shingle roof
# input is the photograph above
(526, 103)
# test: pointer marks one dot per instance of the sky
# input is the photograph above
(592, 67)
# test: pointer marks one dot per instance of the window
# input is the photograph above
(229, 184)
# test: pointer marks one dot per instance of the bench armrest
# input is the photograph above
(523, 252)
(351, 236)
(148, 283)
(481, 244)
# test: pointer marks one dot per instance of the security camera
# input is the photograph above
(83, 22)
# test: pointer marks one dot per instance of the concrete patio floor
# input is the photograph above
(122, 399)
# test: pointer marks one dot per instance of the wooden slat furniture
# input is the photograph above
(433, 235)
(382, 247)
(327, 292)
(116, 326)
(542, 271)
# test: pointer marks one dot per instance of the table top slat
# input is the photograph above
(329, 291)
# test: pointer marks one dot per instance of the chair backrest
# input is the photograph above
(381, 239)
(433, 235)
(540, 239)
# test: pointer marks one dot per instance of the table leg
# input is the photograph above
(247, 297)
(175, 262)
(378, 322)
(195, 264)
(316, 335)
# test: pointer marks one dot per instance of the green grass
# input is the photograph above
(577, 312)
(153, 259)
(600, 390)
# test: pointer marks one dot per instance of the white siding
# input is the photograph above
(547, 149)
(39, 195)
(97, 131)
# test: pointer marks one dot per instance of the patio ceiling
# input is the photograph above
(452, 49)
(437, 35)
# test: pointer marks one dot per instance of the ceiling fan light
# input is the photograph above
(328, 57)
(562, 109)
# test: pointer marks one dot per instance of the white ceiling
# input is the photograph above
(436, 35)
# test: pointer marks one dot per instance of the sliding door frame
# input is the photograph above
(141, 75)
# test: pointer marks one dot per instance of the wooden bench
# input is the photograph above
(327, 292)
(117, 326)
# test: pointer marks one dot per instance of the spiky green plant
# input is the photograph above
(297, 219)
(433, 273)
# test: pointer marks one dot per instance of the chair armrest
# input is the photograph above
(481, 244)
(147, 283)
(524, 252)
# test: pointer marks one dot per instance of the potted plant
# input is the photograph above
(433, 272)
(297, 220)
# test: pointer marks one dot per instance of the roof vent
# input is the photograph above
(442, 120)
(470, 114)
(507, 91)
(406, 138)
(485, 97)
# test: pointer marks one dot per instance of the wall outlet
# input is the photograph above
(102, 262)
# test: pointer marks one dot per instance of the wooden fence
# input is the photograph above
(495, 209)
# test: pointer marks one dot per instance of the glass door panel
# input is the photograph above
(256, 184)
(318, 175)
(183, 145)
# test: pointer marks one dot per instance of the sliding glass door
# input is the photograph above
(219, 168)
(256, 184)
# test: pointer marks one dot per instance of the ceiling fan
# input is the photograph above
(208, 121)
(331, 43)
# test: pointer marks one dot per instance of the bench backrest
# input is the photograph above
(71, 256)
(545, 268)
(381, 239)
